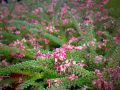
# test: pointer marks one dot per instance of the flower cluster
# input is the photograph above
(56, 82)
(17, 55)
(114, 72)
(100, 82)
(18, 44)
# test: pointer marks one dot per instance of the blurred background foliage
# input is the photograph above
(114, 8)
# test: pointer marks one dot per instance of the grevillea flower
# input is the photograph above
(46, 40)
(111, 85)
(37, 11)
(67, 47)
(59, 53)
(98, 14)
(4, 63)
(102, 43)
(73, 39)
(89, 3)
(18, 44)
(80, 47)
(114, 72)
(99, 33)
(57, 81)
(50, 8)
(117, 37)
(99, 58)
(17, 32)
(19, 8)
(17, 55)
(63, 10)
(65, 21)
(33, 21)
(105, 2)
(91, 43)
(51, 28)
(88, 20)
(41, 55)
(98, 83)
(99, 73)
(72, 77)
(81, 64)
(49, 82)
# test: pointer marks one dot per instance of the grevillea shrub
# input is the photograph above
(59, 45)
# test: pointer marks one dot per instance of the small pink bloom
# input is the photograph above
(78, 48)
(99, 33)
(17, 32)
(99, 58)
(67, 47)
(98, 83)
(4, 63)
(57, 81)
(111, 86)
(72, 77)
(73, 39)
(65, 21)
(50, 8)
(106, 85)
(105, 2)
(46, 40)
(81, 65)
(117, 37)
(98, 14)
(49, 82)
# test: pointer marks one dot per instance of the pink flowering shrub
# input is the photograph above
(59, 45)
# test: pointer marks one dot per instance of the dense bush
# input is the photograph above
(59, 45)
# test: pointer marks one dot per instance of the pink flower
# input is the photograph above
(19, 8)
(4, 63)
(98, 73)
(17, 32)
(67, 47)
(17, 55)
(106, 85)
(98, 83)
(89, 3)
(65, 21)
(73, 39)
(5, 13)
(81, 65)
(117, 37)
(78, 47)
(59, 53)
(62, 68)
(72, 77)
(57, 81)
(33, 21)
(46, 40)
(50, 8)
(51, 28)
(91, 43)
(49, 82)
(99, 58)
(63, 11)
(37, 11)
(105, 2)
(114, 72)
(99, 33)
(41, 55)
(88, 20)
(74, 11)
(111, 85)
(98, 14)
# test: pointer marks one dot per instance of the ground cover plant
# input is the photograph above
(59, 45)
